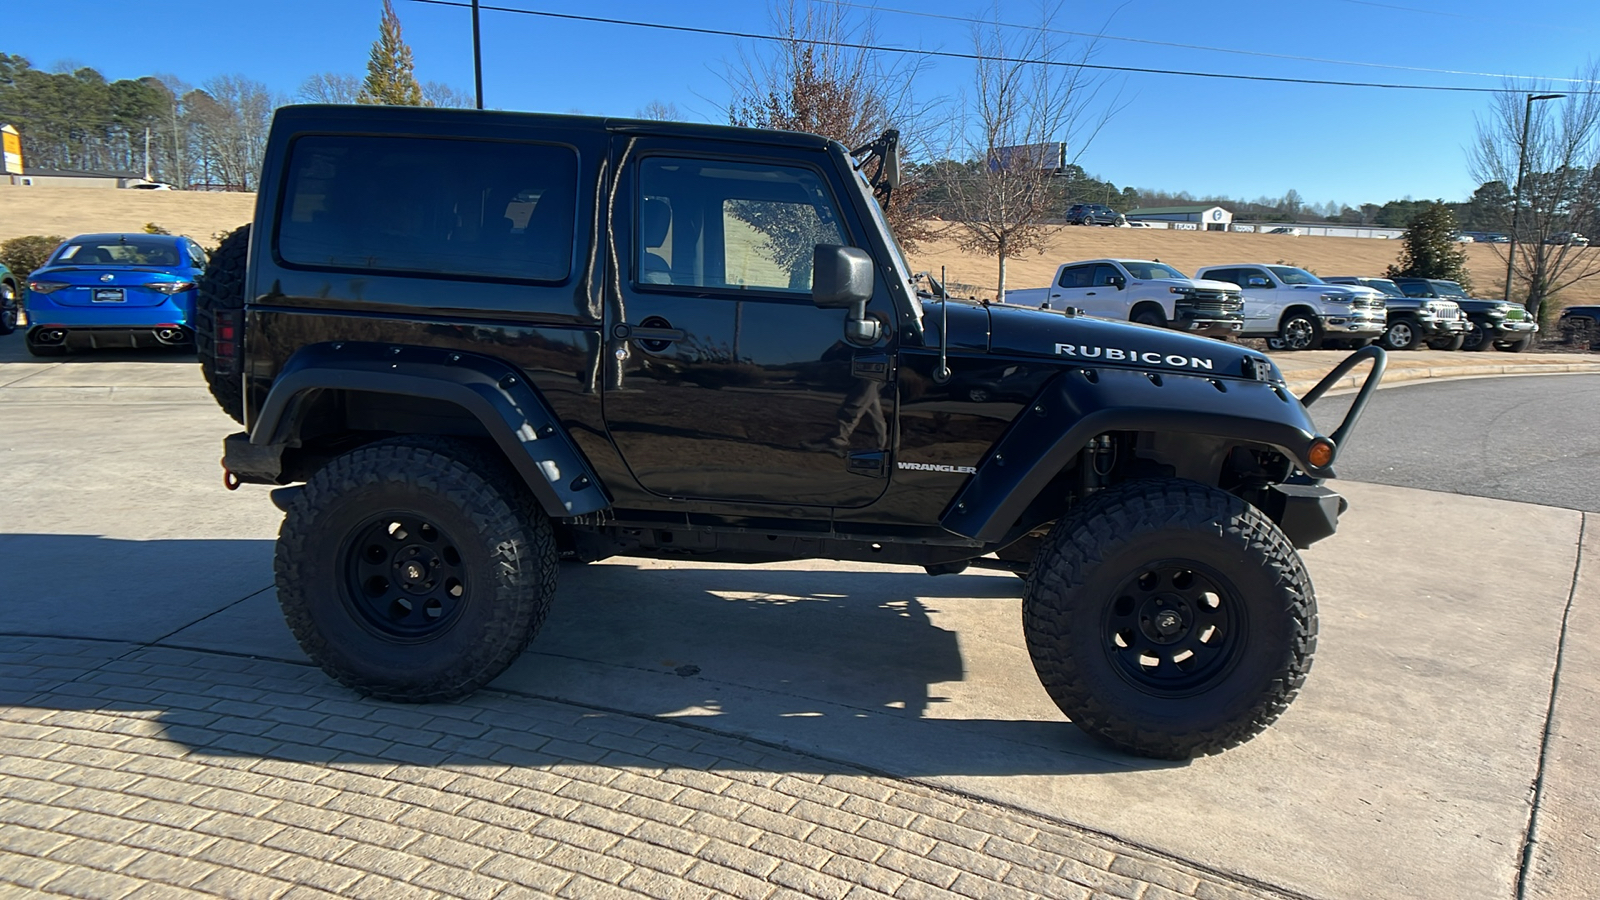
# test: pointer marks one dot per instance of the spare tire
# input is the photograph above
(221, 289)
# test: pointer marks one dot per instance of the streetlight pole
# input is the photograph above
(1516, 193)
(477, 57)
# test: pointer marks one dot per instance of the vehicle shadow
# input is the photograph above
(854, 665)
(14, 349)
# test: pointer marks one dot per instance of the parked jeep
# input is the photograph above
(1492, 323)
(1413, 321)
(1143, 291)
(1295, 310)
(581, 337)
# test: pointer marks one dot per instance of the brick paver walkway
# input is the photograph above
(136, 771)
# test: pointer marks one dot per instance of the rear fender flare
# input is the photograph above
(508, 407)
(1082, 403)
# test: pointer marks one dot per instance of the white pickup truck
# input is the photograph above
(1295, 310)
(1143, 291)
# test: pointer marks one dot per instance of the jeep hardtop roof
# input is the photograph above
(467, 122)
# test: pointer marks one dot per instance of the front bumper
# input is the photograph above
(1433, 327)
(1353, 325)
(1502, 330)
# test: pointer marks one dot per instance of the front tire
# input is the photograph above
(1401, 334)
(1476, 339)
(415, 569)
(10, 308)
(1299, 331)
(1151, 317)
(1451, 343)
(1169, 619)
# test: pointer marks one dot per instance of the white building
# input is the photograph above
(1186, 218)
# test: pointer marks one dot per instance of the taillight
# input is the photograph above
(227, 342)
(46, 287)
(170, 287)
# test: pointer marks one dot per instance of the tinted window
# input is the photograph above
(1104, 274)
(1076, 277)
(1229, 275)
(1145, 271)
(430, 205)
(1292, 275)
(1246, 274)
(119, 250)
(732, 225)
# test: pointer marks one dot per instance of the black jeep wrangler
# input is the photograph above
(473, 344)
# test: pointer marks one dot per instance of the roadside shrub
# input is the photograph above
(24, 254)
(153, 228)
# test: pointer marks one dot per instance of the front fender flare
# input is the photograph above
(1082, 403)
(510, 410)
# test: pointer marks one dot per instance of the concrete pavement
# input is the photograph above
(1404, 770)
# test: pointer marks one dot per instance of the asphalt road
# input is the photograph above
(1535, 439)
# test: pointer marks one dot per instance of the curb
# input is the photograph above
(1420, 373)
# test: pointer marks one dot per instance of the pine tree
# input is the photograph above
(1431, 250)
(391, 74)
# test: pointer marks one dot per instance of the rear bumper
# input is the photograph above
(115, 337)
(176, 310)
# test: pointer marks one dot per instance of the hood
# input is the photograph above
(1201, 283)
(1085, 340)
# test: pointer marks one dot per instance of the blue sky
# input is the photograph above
(1239, 139)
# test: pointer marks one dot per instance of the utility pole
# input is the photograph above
(147, 153)
(477, 57)
(1516, 193)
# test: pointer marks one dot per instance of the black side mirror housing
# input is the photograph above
(841, 278)
(1116, 281)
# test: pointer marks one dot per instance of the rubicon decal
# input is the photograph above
(935, 467)
(1148, 357)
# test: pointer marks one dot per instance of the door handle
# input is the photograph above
(1089, 294)
(1055, 296)
(626, 332)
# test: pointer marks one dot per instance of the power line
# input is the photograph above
(1155, 43)
(972, 57)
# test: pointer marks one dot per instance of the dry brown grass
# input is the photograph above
(69, 211)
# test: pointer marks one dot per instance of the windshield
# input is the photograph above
(1291, 275)
(118, 251)
(1387, 287)
(1448, 289)
(1144, 271)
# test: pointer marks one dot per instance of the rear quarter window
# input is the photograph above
(430, 205)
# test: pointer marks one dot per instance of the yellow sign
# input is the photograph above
(11, 143)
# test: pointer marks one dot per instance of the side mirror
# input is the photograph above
(841, 278)
(1258, 281)
(1117, 281)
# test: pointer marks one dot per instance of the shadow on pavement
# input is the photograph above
(813, 659)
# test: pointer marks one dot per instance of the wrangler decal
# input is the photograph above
(935, 467)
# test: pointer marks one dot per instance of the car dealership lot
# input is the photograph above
(1404, 770)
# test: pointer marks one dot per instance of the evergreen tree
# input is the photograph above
(1431, 250)
(391, 74)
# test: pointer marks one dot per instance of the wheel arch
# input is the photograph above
(1299, 307)
(1148, 306)
(1012, 485)
(348, 389)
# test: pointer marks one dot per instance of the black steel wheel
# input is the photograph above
(1169, 619)
(1450, 343)
(1401, 334)
(1300, 331)
(10, 307)
(415, 569)
(1516, 346)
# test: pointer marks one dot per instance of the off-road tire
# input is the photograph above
(10, 307)
(504, 549)
(1401, 334)
(1069, 605)
(1516, 346)
(221, 287)
(1449, 344)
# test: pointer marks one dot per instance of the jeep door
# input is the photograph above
(731, 385)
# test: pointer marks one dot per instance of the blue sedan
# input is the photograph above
(114, 290)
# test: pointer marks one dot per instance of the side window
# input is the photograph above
(714, 224)
(1230, 276)
(1103, 275)
(1246, 274)
(435, 205)
(1076, 276)
(197, 255)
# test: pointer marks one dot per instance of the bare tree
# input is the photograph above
(815, 81)
(1560, 191)
(1025, 101)
(329, 87)
(437, 93)
(661, 112)
(228, 123)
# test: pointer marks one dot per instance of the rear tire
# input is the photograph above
(221, 288)
(415, 569)
(1169, 619)
(1516, 346)
(1476, 341)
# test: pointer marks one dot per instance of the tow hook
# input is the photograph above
(230, 480)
